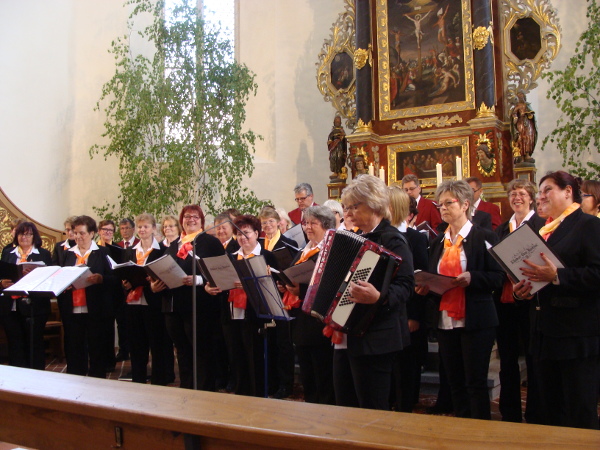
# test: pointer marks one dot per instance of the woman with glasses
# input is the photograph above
(466, 318)
(250, 367)
(362, 367)
(86, 312)
(313, 349)
(24, 318)
(106, 232)
(590, 197)
(513, 328)
(178, 307)
(565, 331)
(144, 308)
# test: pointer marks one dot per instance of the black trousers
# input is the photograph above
(18, 334)
(84, 344)
(364, 381)
(466, 358)
(147, 334)
(569, 392)
(512, 336)
(407, 372)
(316, 373)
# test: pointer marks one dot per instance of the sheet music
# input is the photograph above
(222, 271)
(267, 286)
(301, 273)
(296, 234)
(167, 270)
(437, 283)
(521, 244)
(52, 280)
(32, 280)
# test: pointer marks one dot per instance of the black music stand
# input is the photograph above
(264, 297)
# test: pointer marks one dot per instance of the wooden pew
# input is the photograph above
(51, 410)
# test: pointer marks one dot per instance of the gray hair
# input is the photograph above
(323, 214)
(369, 190)
(410, 177)
(335, 206)
(459, 189)
(300, 187)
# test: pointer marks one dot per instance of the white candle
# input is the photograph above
(382, 174)
(438, 173)
(371, 169)
(458, 168)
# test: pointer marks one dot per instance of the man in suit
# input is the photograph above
(303, 195)
(127, 230)
(481, 205)
(428, 212)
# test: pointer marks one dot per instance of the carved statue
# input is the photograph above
(486, 162)
(337, 146)
(523, 130)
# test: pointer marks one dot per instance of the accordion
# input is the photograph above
(347, 257)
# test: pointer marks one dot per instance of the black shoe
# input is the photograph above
(281, 393)
(122, 356)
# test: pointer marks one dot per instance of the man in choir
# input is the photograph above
(303, 195)
(481, 205)
(427, 210)
(127, 228)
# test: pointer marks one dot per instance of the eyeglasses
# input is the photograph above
(351, 208)
(447, 204)
(301, 199)
(107, 230)
(27, 234)
(518, 194)
(476, 190)
(269, 222)
(191, 217)
(312, 223)
(586, 195)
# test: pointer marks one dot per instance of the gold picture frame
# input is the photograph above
(420, 159)
(417, 74)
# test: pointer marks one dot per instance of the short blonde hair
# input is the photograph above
(399, 205)
(173, 219)
(459, 189)
(369, 190)
(146, 217)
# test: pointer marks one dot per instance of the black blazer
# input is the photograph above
(41, 305)
(306, 329)
(154, 300)
(180, 299)
(388, 331)
(418, 242)
(59, 253)
(572, 308)
(486, 277)
(535, 222)
(98, 299)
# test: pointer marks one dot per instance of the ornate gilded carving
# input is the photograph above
(362, 57)
(481, 36)
(484, 111)
(527, 58)
(428, 122)
(362, 127)
(335, 74)
(385, 80)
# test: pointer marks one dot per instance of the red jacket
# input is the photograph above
(428, 212)
(492, 210)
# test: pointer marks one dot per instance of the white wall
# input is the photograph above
(54, 60)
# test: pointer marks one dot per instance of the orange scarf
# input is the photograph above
(270, 243)
(238, 296)
(453, 301)
(136, 293)
(290, 300)
(552, 224)
(79, 298)
(186, 244)
(24, 255)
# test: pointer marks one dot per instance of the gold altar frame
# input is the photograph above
(425, 148)
(383, 56)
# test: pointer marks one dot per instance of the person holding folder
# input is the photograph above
(513, 316)
(565, 325)
(24, 318)
(85, 312)
(466, 316)
(147, 328)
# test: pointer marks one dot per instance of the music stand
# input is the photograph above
(264, 297)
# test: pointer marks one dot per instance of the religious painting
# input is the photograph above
(421, 159)
(342, 71)
(525, 38)
(425, 57)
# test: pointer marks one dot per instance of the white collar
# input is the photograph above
(476, 204)
(16, 251)
(255, 252)
(154, 245)
(513, 220)
(75, 249)
(464, 231)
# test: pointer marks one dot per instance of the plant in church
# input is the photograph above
(576, 91)
(175, 115)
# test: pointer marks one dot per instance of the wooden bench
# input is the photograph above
(50, 410)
